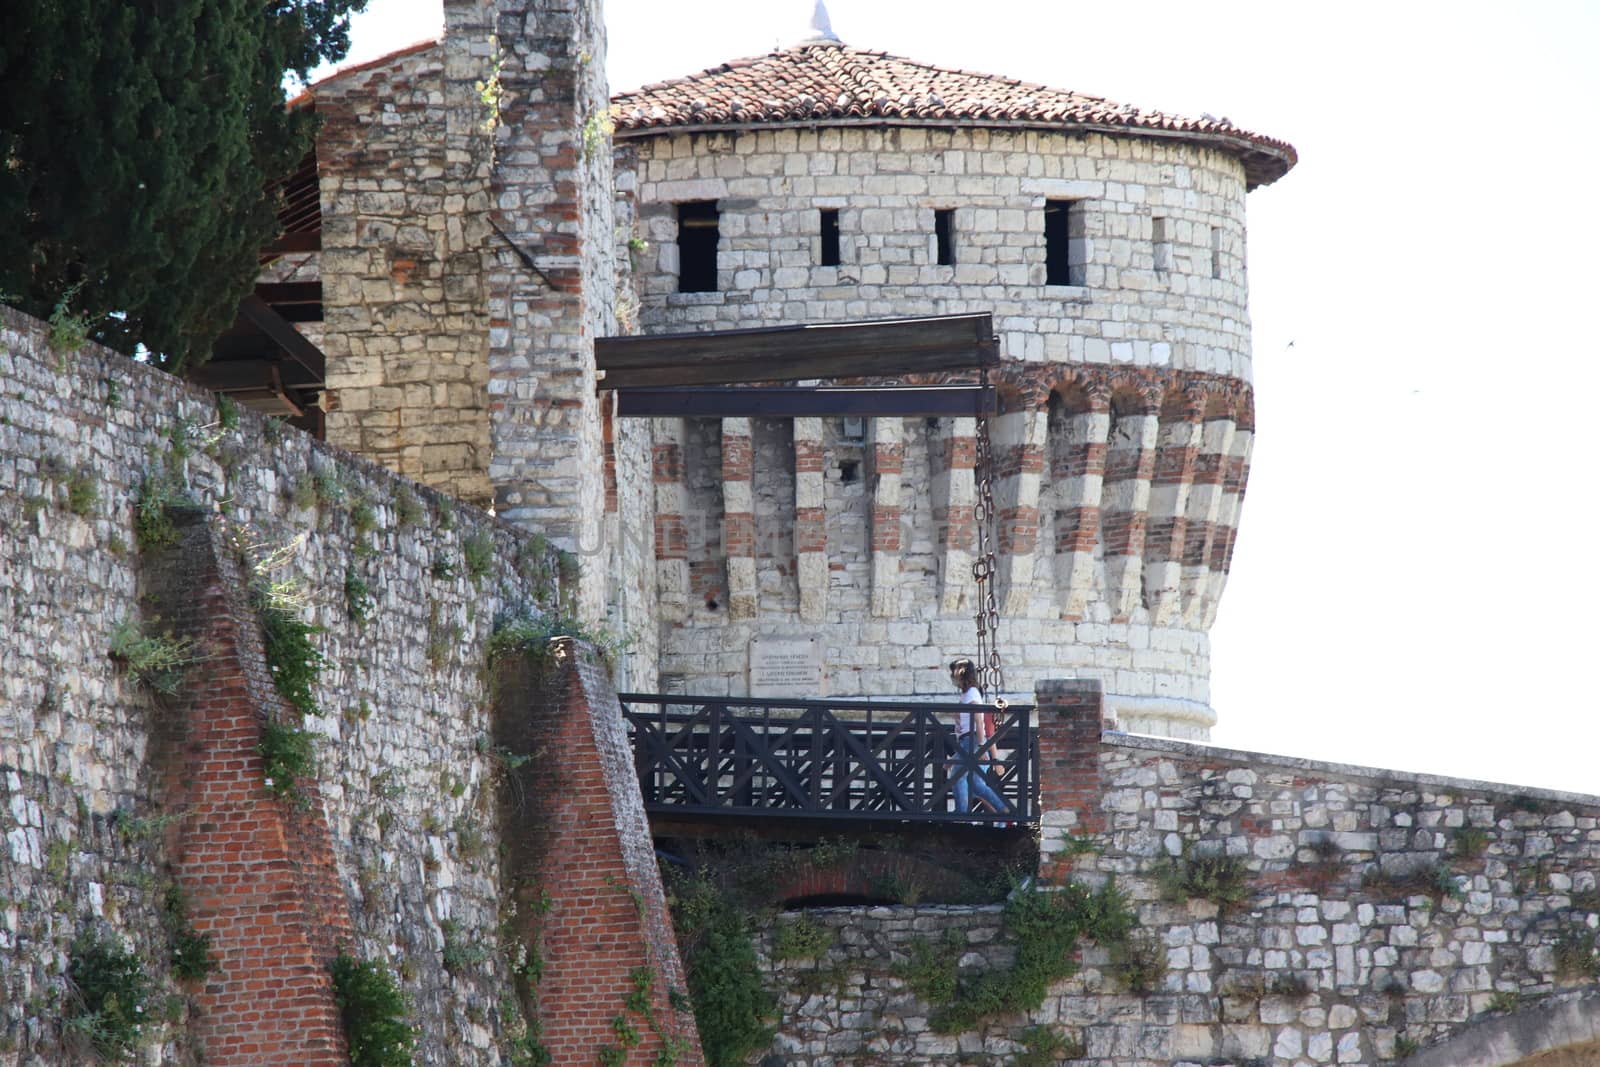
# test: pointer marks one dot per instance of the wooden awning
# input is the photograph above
(822, 351)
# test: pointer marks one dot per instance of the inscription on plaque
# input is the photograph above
(786, 667)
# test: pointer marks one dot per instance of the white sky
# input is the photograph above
(1413, 584)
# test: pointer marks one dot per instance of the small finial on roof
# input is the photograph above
(821, 27)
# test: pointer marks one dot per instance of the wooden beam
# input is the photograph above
(782, 402)
(290, 243)
(260, 314)
(280, 293)
(796, 353)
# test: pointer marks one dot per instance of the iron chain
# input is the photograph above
(985, 572)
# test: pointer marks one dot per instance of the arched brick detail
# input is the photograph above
(1552, 1035)
(868, 874)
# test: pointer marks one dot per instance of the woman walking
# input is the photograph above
(971, 737)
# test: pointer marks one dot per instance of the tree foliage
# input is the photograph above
(137, 144)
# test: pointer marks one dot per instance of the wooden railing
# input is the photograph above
(839, 759)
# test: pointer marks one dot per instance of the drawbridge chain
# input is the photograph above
(985, 571)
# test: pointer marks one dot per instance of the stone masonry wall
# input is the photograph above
(553, 203)
(469, 262)
(404, 161)
(1118, 499)
(1145, 302)
(405, 588)
(1382, 914)
(1121, 456)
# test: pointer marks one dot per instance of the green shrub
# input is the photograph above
(152, 525)
(287, 758)
(373, 1012)
(731, 1006)
(407, 509)
(932, 972)
(532, 637)
(460, 954)
(1471, 842)
(83, 492)
(363, 518)
(295, 662)
(1046, 927)
(1045, 1047)
(801, 939)
(227, 413)
(1575, 953)
(358, 601)
(1223, 880)
(477, 555)
(112, 1007)
(1505, 1000)
(158, 662)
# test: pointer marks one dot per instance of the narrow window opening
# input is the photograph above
(830, 237)
(944, 236)
(1216, 252)
(1066, 243)
(1160, 244)
(697, 246)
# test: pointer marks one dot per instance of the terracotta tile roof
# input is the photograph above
(830, 83)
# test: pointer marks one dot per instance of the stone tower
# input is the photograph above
(827, 183)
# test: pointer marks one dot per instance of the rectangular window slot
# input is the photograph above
(698, 235)
(1216, 252)
(830, 237)
(944, 236)
(1160, 244)
(1066, 243)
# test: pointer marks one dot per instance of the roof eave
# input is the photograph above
(1264, 162)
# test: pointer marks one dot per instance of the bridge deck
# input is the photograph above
(857, 760)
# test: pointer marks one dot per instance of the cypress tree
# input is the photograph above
(137, 144)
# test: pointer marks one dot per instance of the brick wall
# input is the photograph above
(591, 905)
(257, 872)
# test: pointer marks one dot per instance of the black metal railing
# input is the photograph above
(830, 759)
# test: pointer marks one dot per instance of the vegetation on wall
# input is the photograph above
(1223, 880)
(109, 1006)
(131, 200)
(1046, 926)
(158, 661)
(373, 1012)
(294, 660)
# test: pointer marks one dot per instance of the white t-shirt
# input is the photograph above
(964, 723)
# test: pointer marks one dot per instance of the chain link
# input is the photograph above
(985, 572)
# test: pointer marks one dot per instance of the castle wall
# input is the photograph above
(553, 201)
(404, 160)
(1121, 457)
(1382, 912)
(406, 765)
(470, 258)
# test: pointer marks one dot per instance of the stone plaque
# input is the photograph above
(786, 667)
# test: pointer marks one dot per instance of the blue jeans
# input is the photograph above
(970, 784)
